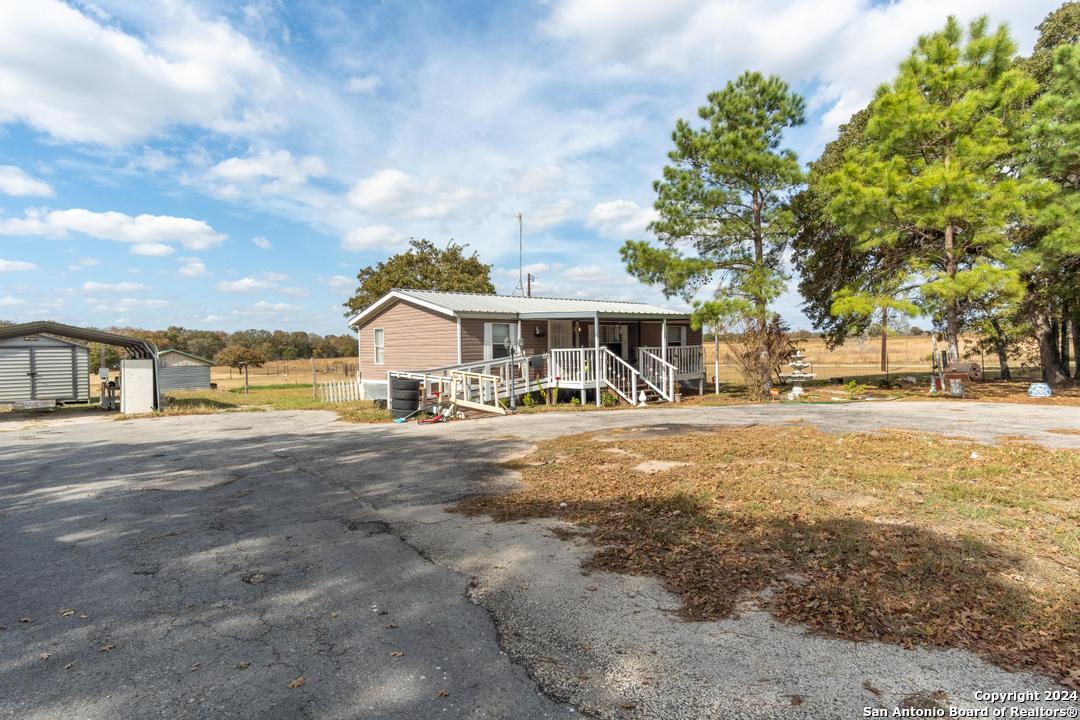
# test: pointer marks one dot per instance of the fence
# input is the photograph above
(339, 391)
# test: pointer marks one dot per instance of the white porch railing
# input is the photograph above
(657, 374)
(619, 375)
(573, 367)
(689, 360)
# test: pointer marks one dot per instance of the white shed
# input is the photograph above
(42, 367)
(178, 370)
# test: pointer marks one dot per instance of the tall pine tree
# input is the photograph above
(937, 175)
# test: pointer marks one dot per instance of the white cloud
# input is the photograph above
(340, 282)
(141, 230)
(297, 292)
(152, 249)
(16, 265)
(125, 305)
(81, 80)
(153, 160)
(261, 243)
(15, 182)
(549, 215)
(395, 192)
(8, 301)
(620, 218)
(845, 52)
(263, 306)
(246, 284)
(88, 261)
(113, 287)
(279, 167)
(363, 84)
(373, 237)
(192, 267)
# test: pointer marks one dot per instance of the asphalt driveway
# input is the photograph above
(280, 565)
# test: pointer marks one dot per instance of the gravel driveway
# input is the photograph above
(280, 565)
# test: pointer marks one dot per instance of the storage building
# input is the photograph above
(179, 370)
(42, 367)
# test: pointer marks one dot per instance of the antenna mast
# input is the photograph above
(520, 289)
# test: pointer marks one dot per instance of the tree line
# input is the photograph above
(952, 195)
(254, 347)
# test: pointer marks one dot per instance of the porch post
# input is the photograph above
(663, 340)
(596, 347)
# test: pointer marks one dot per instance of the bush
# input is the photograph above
(608, 399)
(854, 390)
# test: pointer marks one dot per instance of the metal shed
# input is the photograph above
(138, 372)
(41, 367)
(178, 370)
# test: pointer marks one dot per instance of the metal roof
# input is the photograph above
(460, 303)
(135, 347)
(185, 354)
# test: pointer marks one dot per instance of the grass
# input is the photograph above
(268, 397)
(906, 538)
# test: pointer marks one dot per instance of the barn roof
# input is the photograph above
(185, 354)
(135, 347)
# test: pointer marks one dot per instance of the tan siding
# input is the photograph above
(472, 336)
(414, 338)
(531, 344)
(693, 337)
(650, 334)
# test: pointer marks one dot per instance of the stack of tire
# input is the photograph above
(404, 396)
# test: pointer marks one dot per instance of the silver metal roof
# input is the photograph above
(457, 302)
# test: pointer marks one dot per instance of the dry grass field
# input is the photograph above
(901, 537)
(908, 355)
(286, 372)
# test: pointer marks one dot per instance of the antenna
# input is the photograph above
(520, 288)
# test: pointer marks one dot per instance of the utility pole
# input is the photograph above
(520, 288)
(528, 286)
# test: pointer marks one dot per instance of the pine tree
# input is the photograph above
(936, 176)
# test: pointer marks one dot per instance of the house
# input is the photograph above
(508, 345)
(178, 370)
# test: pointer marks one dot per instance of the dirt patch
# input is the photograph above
(1064, 431)
(907, 538)
(651, 467)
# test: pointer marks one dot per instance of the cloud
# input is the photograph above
(15, 182)
(549, 215)
(261, 243)
(88, 261)
(140, 230)
(16, 265)
(113, 287)
(192, 267)
(279, 167)
(340, 282)
(363, 84)
(245, 284)
(395, 192)
(843, 53)
(8, 301)
(125, 305)
(152, 249)
(373, 237)
(620, 218)
(79, 79)
(263, 308)
(153, 160)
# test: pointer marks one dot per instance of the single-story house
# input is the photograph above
(178, 370)
(528, 342)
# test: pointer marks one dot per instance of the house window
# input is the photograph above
(676, 335)
(377, 343)
(500, 333)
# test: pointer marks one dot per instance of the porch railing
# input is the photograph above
(620, 376)
(689, 360)
(657, 373)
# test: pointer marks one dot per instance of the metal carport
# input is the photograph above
(136, 349)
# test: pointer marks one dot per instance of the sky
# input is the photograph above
(221, 165)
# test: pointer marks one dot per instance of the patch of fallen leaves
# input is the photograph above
(907, 538)
(297, 683)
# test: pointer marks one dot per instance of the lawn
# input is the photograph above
(907, 538)
(267, 397)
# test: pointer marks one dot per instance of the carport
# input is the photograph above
(140, 390)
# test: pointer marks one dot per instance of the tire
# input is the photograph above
(402, 413)
(404, 395)
(404, 384)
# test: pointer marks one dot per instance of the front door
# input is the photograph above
(560, 334)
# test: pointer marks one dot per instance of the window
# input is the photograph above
(676, 335)
(377, 343)
(500, 333)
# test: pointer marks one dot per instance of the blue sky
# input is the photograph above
(224, 165)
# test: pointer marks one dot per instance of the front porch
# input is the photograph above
(567, 353)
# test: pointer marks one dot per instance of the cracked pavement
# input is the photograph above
(196, 566)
